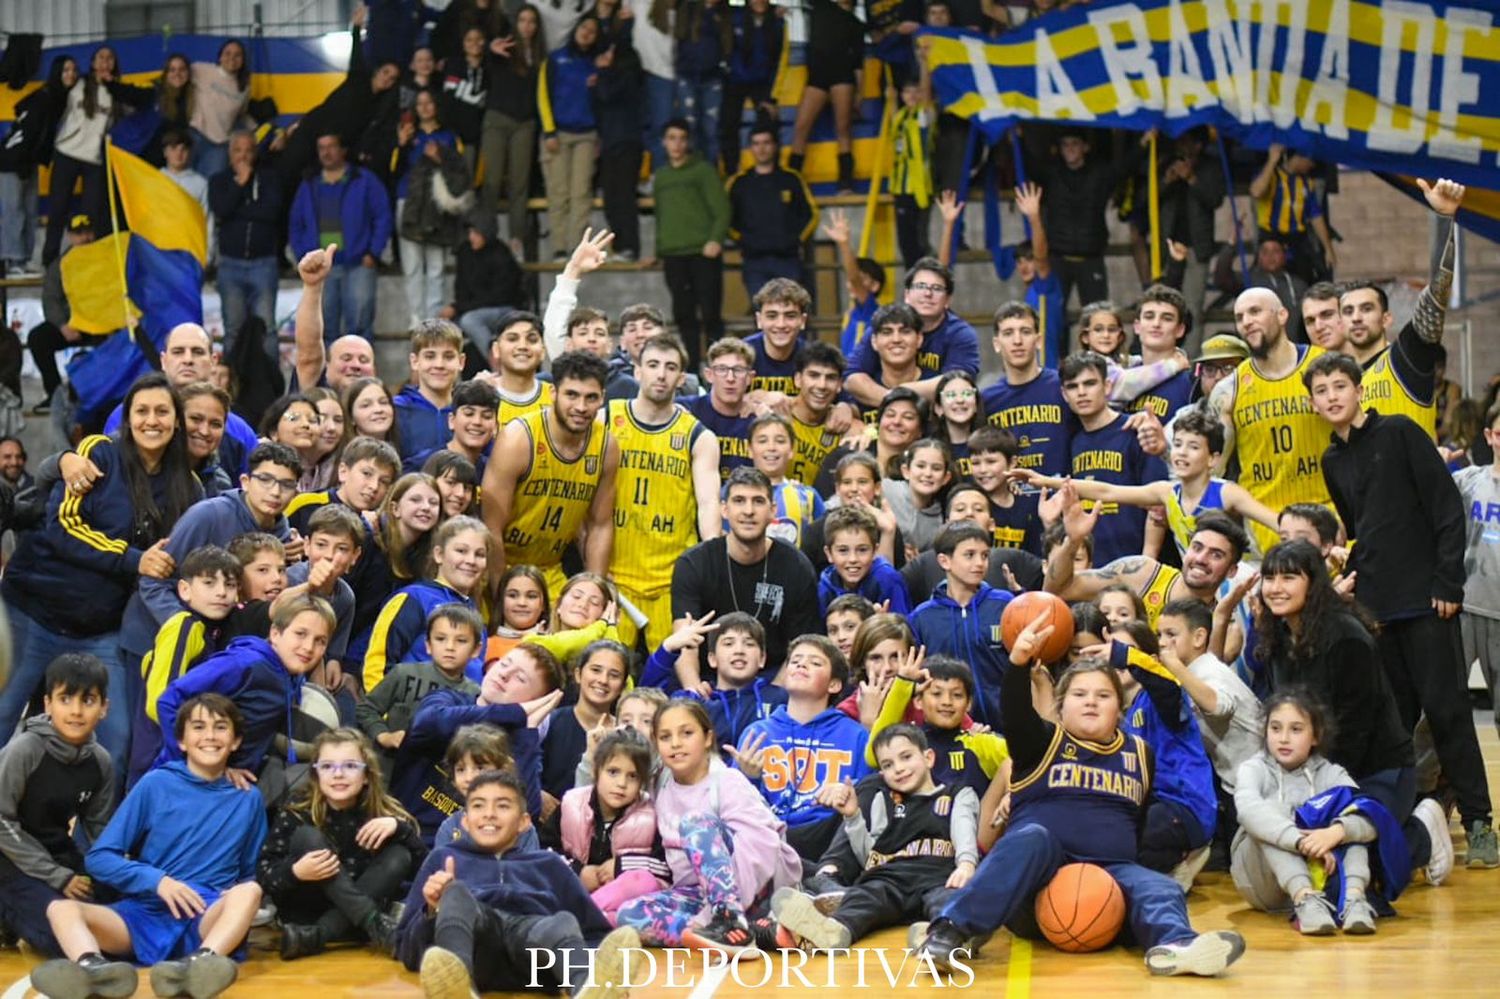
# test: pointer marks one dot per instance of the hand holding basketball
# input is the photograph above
(1036, 626)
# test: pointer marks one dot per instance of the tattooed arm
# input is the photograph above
(1061, 577)
(1444, 197)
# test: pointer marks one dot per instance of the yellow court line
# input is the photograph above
(1018, 974)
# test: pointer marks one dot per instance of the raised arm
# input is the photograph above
(313, 268)
(589, 255)
(1061, 579)
(836, 227)
(1029, 201)
(1444, 197)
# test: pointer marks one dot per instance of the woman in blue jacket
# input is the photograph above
(67, 584)
(565, 99)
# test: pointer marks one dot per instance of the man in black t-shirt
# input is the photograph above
(746, 571)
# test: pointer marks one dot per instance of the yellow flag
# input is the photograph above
(156, 209)
(93, 280)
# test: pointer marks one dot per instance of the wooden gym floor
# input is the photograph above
(1442, 943)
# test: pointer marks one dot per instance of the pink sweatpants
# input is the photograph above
(630, 885)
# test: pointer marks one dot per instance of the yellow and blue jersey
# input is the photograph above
(1288, 206)
(795, 506)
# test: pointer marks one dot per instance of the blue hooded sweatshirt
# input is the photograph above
(801, 758)
(731, 709)
(971, 634)
(883, 582)
(249, 673)
(399, 634)
(206, 834)
(423, 426)
(421, 782)
(517, 882)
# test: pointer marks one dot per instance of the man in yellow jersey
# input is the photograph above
(1269, 423)
(517, 354)
(552, 475)
(1213, 554)
(819, 380)
(666, 496)
(1401, 377)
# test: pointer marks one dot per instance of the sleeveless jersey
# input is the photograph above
(656, 510)
(1087, 794)
(1036, 414)
(1158, 592)
(512, 408)
(553, 497)
(1165, 399)
(811, 445)
(1279, 440)
(1383, 389)
(1181, 523)
(918, 835)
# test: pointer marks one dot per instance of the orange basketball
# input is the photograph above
(1025, 608)
(1081, 910)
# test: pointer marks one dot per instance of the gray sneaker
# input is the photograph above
(1484, 849)
(1207, 954)
(1359, 917)
(1314, 916)
(799, 916)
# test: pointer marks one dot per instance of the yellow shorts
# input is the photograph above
(657, 609)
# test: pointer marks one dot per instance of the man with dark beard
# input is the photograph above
(1267, 415)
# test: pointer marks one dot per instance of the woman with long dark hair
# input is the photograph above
(221, 93)
(510, 121)
(67, 584)
(1309, 637)
(94, 103)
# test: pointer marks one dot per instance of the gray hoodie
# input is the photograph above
(38, 744)
(1266, 797)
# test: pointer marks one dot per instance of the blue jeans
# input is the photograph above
(209, 158)
(36, 647)
(700, 102)
(482, 325)
(246, 288)
(349, 302)
(661, 96)
(1003, 891)
(758, 270)
(18, 215)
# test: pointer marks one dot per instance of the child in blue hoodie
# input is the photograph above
(963, 617)
(739, 694)
(482, 914)
(181, 852)
(852, 538)
(805, 744)
(422, 410)
(262, 677)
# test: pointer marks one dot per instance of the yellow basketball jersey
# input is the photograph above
(1279, 439)
(510, 409)
(1158, 592)
(1381, 389)
(552, 499)
(656, 510)
(810, 446)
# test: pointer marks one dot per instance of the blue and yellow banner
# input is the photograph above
(1411, 87)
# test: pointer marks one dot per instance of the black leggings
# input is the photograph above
(65, 174)
(342, 904)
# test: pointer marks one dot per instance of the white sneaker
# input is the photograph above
(1207, 954)
(1432, 817)
(265, 915)
(1185, 872)
(607, 979)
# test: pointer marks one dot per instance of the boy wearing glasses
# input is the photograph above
(722, 409)
(258, 505)
(181, 852)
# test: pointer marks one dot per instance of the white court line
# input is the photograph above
(17, 989)
(703, 990)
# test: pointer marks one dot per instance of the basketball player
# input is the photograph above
(818, 381)
(1268, 418)
(1214, 551)
(552, 475)
(666, 495)
(1401, 378)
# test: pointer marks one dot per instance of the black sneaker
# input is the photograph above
(299, 940)
(726, 932)
(763, 932)
(381, 931)
(943, 938)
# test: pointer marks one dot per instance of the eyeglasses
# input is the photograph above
(334, 767)
(953, 395)
(272, 482)
(933, 289)
(730, 371)
(292, 416)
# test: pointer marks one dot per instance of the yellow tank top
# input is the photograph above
(1381, 389)
(1279, 439)
(552, 499)
(656, 510)
(510, 409)
(1158, 592)
(810, 446)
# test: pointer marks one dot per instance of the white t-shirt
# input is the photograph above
(657, 49)
(1232, 734)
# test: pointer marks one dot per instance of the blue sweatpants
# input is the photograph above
(1003, 891)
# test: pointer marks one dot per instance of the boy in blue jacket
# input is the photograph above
(805, 744)
(483, 915)
(518, 692)
(181, 851)
(739, 694)
(852, 538)
(422, 410)
(963, 617)
(263, 678)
